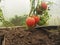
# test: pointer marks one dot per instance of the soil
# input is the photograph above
(20, 36)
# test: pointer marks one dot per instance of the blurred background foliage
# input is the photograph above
(16, 21)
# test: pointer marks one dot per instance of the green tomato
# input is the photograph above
(41, 22)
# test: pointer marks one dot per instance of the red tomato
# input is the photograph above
(37, 19)
(44, 5)
(30, 21)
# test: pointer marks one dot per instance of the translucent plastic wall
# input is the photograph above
(11, 8)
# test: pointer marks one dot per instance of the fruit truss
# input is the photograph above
(39, 14)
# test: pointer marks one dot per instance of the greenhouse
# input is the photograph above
(29, 22)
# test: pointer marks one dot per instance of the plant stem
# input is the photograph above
(32, 7)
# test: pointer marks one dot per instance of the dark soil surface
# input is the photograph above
(19, 36)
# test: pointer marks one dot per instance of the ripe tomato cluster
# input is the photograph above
(32, 20)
